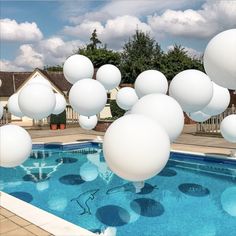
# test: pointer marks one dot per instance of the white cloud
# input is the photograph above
(55, 50)
(77, 11)
(214, 17)
(114, 32)
(51, 51)
(13, 31)
(7, 65)
(84, 30)
(28, 57)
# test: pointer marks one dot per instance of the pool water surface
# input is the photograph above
(192, 196)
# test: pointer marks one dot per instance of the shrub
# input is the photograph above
(58, 119)
(116, 111)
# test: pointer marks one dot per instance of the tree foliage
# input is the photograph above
(140, 53)
(177, 60)
(99, 55)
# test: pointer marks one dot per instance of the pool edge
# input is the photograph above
(43, 219)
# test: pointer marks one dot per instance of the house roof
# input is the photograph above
(11, 81)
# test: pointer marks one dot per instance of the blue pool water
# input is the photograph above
(192, 196)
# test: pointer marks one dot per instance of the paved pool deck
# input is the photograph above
(188, 141)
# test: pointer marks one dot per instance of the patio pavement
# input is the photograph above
(13, 225)
(188, 141)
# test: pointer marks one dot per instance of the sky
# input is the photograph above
(39, 33)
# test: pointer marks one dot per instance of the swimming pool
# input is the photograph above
(191, 196)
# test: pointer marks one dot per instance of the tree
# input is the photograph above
(53, 68)
(99, 55)
(140, 53)
(177, 60)
(94, 41)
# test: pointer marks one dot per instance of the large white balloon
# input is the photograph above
(126, 98)
(219, 101)
(77, 67)
(136, 148)
(1, 111)
(164, 110)
(228, 128)
(192, 89)
(13, 106)
(88, 97)
(150, 81)
(88, 123)
(228, 201)
(60, 104)
(198, 116)
(36, 101)
(109, 76)
(88, 171)
(220, 59)
(15, 145)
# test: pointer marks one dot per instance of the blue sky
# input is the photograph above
(37, 33)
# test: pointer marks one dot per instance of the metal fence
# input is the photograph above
(6, 117)
(71, 118)
(212, 126)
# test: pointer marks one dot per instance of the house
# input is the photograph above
(13, 82)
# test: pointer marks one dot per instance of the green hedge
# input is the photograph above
(116, 112)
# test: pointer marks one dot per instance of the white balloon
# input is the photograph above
(228, 201)
(109, 76)
(136, 148)
(88, 97)
(220, 59)
(198, 116)
(60, 104)
(219, 101)
(126, 98)
(150, 81)
(164, 110)
(1, 111)
(228, 128)
(127, 113)
(13, 106)
(88, 123)
(88, 172)
(15, 145)
(36, 101)
(77, 67)
(192, 89)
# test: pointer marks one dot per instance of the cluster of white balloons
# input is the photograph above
(87, 96)
(136, 146)
(219, 63)
(37, 101)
